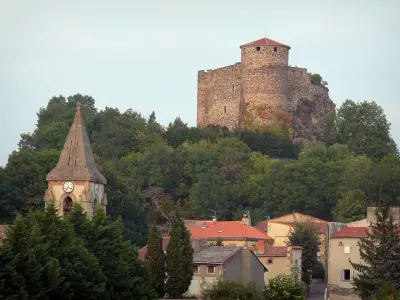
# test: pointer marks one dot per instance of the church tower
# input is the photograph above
(76, 179)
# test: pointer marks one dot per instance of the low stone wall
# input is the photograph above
(338, 293)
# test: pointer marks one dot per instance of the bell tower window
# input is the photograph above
(67, 205)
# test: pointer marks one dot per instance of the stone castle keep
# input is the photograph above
(263, 89)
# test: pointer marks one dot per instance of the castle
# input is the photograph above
(263, 89)
(76, 178)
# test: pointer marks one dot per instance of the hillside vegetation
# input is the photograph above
(151, 169)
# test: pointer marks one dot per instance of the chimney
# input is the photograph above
(214, 218)
(246, 220)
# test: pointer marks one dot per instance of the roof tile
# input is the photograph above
(227, 230)
(351, 232)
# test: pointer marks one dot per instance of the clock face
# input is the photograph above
(68, 186)
(96, 189)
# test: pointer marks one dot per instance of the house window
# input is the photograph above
(224, 109)
(347, 274)
(196, 269)
(258, 48)
(269, 261)
(275, 49)
(347, 249)
(211, 269)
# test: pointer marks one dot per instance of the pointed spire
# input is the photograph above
(76, 160)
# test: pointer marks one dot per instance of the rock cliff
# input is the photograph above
(312, 116)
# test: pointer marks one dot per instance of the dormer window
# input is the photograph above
(258, 48)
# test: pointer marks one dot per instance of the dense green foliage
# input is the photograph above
(284, 287)
(151, 167)
(305, 233)
(230, 290)
(179, 258)
(380, 255)
(46, 257)
(318, 271)
(156, 260)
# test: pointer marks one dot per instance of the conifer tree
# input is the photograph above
(42, 258)
(156, 260)
(179, 258)
(380, 256)
(126, 277)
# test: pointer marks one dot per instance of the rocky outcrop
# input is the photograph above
(311, 116)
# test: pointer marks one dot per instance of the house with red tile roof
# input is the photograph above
(342, 247)
(279, 228)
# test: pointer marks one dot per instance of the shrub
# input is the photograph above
(318, 271)
(230, 290)
(284, 287)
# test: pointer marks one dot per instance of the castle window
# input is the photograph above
(224, 109)
(233, 87)
(275, 49)
(67, 205)
(258, 48)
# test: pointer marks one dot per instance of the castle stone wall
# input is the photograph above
(299, 86)
(218, 96)
(252, 58)
(265, 91)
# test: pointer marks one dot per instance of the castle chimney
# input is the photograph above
(246, 220)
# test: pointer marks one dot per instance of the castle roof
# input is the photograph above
(265, 42)
(76, 161)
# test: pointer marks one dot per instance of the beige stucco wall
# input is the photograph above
(282, 265)
(83, 194)
(279, 232)
(339, 260)
(279, 265)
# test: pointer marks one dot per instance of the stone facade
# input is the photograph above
(263, 89)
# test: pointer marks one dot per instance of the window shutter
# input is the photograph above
(351, 274)
(342, 274)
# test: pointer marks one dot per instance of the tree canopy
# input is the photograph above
(151, 168)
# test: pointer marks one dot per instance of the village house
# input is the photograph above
(343, 246)
(278, 229)
(219, 263)
(281, 260)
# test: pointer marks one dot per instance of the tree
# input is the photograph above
(351, 207)
(218, 242)
(156, 261)
(305, 233)
(179, 258)
(283, 287)
(42, 258)
(230, 290)
(364, 128)
(125, 275)
(380, 256)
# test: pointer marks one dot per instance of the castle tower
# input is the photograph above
(264, 82)
(76, 179)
